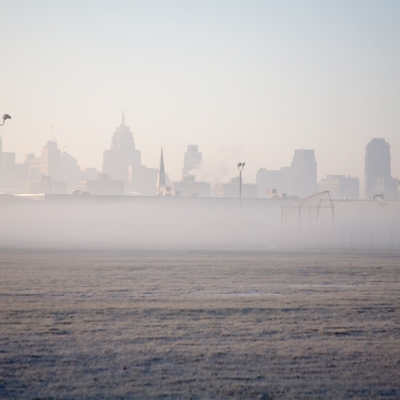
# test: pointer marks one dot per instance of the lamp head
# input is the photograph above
(6, 116)
(241, 166)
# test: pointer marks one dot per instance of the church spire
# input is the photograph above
(161, 173)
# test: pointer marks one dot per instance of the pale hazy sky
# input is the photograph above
(245, 80)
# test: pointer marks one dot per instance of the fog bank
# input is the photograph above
(52, 220)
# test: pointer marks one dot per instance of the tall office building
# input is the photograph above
(71, 171)
(377, 170)
(50, 161)
(303, 173)
(122, 155)
(31, 164)
(193, 160)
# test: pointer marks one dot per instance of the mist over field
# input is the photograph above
(162, 222)
(133, 297)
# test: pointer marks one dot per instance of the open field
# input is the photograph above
(92, 324)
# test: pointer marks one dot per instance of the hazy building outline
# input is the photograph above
(122, 154)
(192, 160)
(378, 180)
(341, 187)
(304, 173)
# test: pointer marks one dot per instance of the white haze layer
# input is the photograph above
(196, 223)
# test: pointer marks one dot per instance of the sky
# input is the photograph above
(247, 81)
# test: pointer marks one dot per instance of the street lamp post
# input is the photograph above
(240, 169)
(5, 117)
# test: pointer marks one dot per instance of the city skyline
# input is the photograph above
(209, 173)
(122, 162)
(250, 81)
(122, 167)
(130, 141)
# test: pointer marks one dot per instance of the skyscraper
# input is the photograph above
(193, 159)
(304, 173)
(50, 161)
(377, 170)
(122, 155)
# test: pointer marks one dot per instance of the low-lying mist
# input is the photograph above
(164, 222)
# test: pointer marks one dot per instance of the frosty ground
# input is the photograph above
(93, 324)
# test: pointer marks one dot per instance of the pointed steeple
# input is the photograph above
(161, 173)
(123, 119)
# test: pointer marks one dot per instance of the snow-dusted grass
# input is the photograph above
(180, 324)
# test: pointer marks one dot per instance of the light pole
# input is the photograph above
(240, 169)
(5, 117)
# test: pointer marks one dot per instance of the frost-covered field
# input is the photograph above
(94, 324)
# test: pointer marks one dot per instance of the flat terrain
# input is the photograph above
(93, 324)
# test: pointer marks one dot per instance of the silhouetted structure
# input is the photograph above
(304, 173)
(188, 187)
(308, 217)
(123, 163)
(231, 189)
(278, 180)
(71, 171)
(377, 170)
(341, 187)
(5, 118)
(122, 155)
(161, 181)
(46, 185)
(193, 159)
(102, 185)
(32, 165)
(12, 174)
(50, 161)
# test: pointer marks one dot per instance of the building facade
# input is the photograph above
(123, 162)
(303, 173)
(122, 154)
(188, 187)
(50, 161)
(102, 185)
(341, 187)
(193, 159)
(231, 189)
(377, 170)
(268, 180)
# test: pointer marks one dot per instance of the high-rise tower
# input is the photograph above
(122, 155)
(193, 159)
(377, 170)
(304, 173)
(50, 161)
